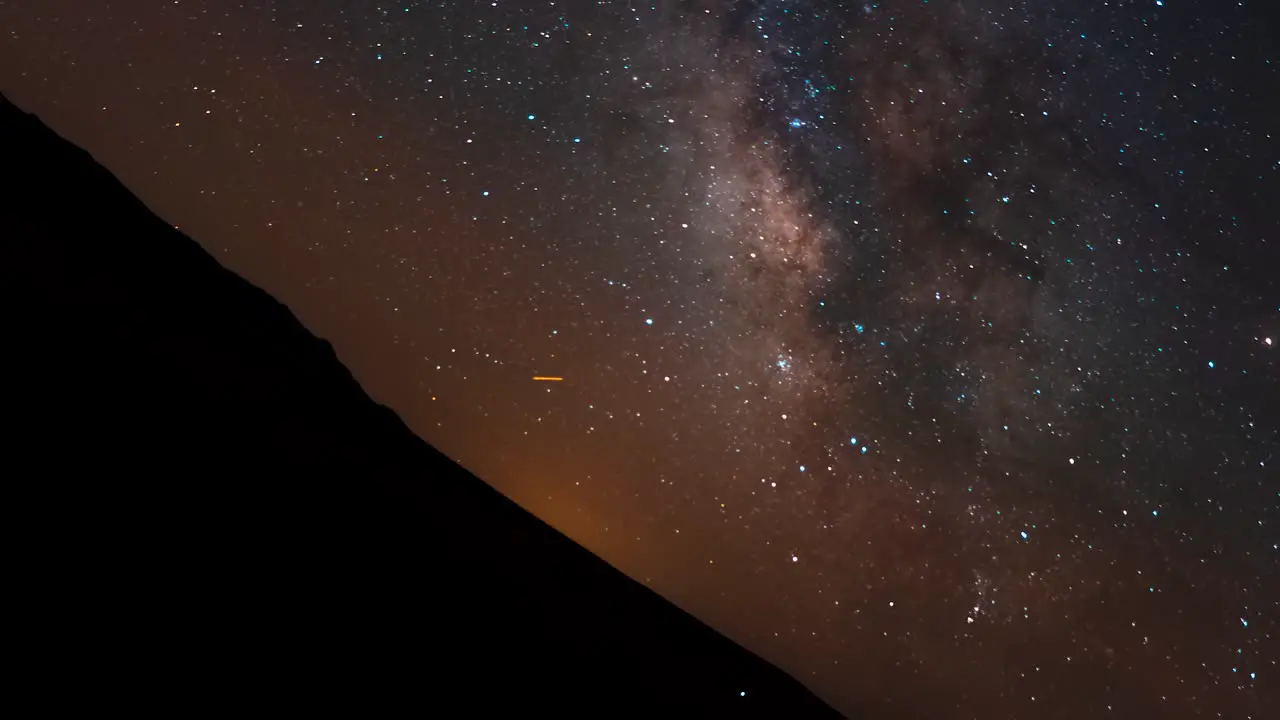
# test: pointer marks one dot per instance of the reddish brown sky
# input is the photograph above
(926, 349)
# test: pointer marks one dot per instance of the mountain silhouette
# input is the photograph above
(212, 513)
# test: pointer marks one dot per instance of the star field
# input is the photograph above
(925, 348)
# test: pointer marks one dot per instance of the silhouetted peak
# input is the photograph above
(225, 516)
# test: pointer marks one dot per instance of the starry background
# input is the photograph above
(925, 348)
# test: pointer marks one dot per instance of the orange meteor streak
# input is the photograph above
(547, 378)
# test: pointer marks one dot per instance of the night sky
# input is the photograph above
(926, 348)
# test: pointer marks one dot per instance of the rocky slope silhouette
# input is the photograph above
(214, 514)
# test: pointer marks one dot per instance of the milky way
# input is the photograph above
(926, 348)
(929, 281)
